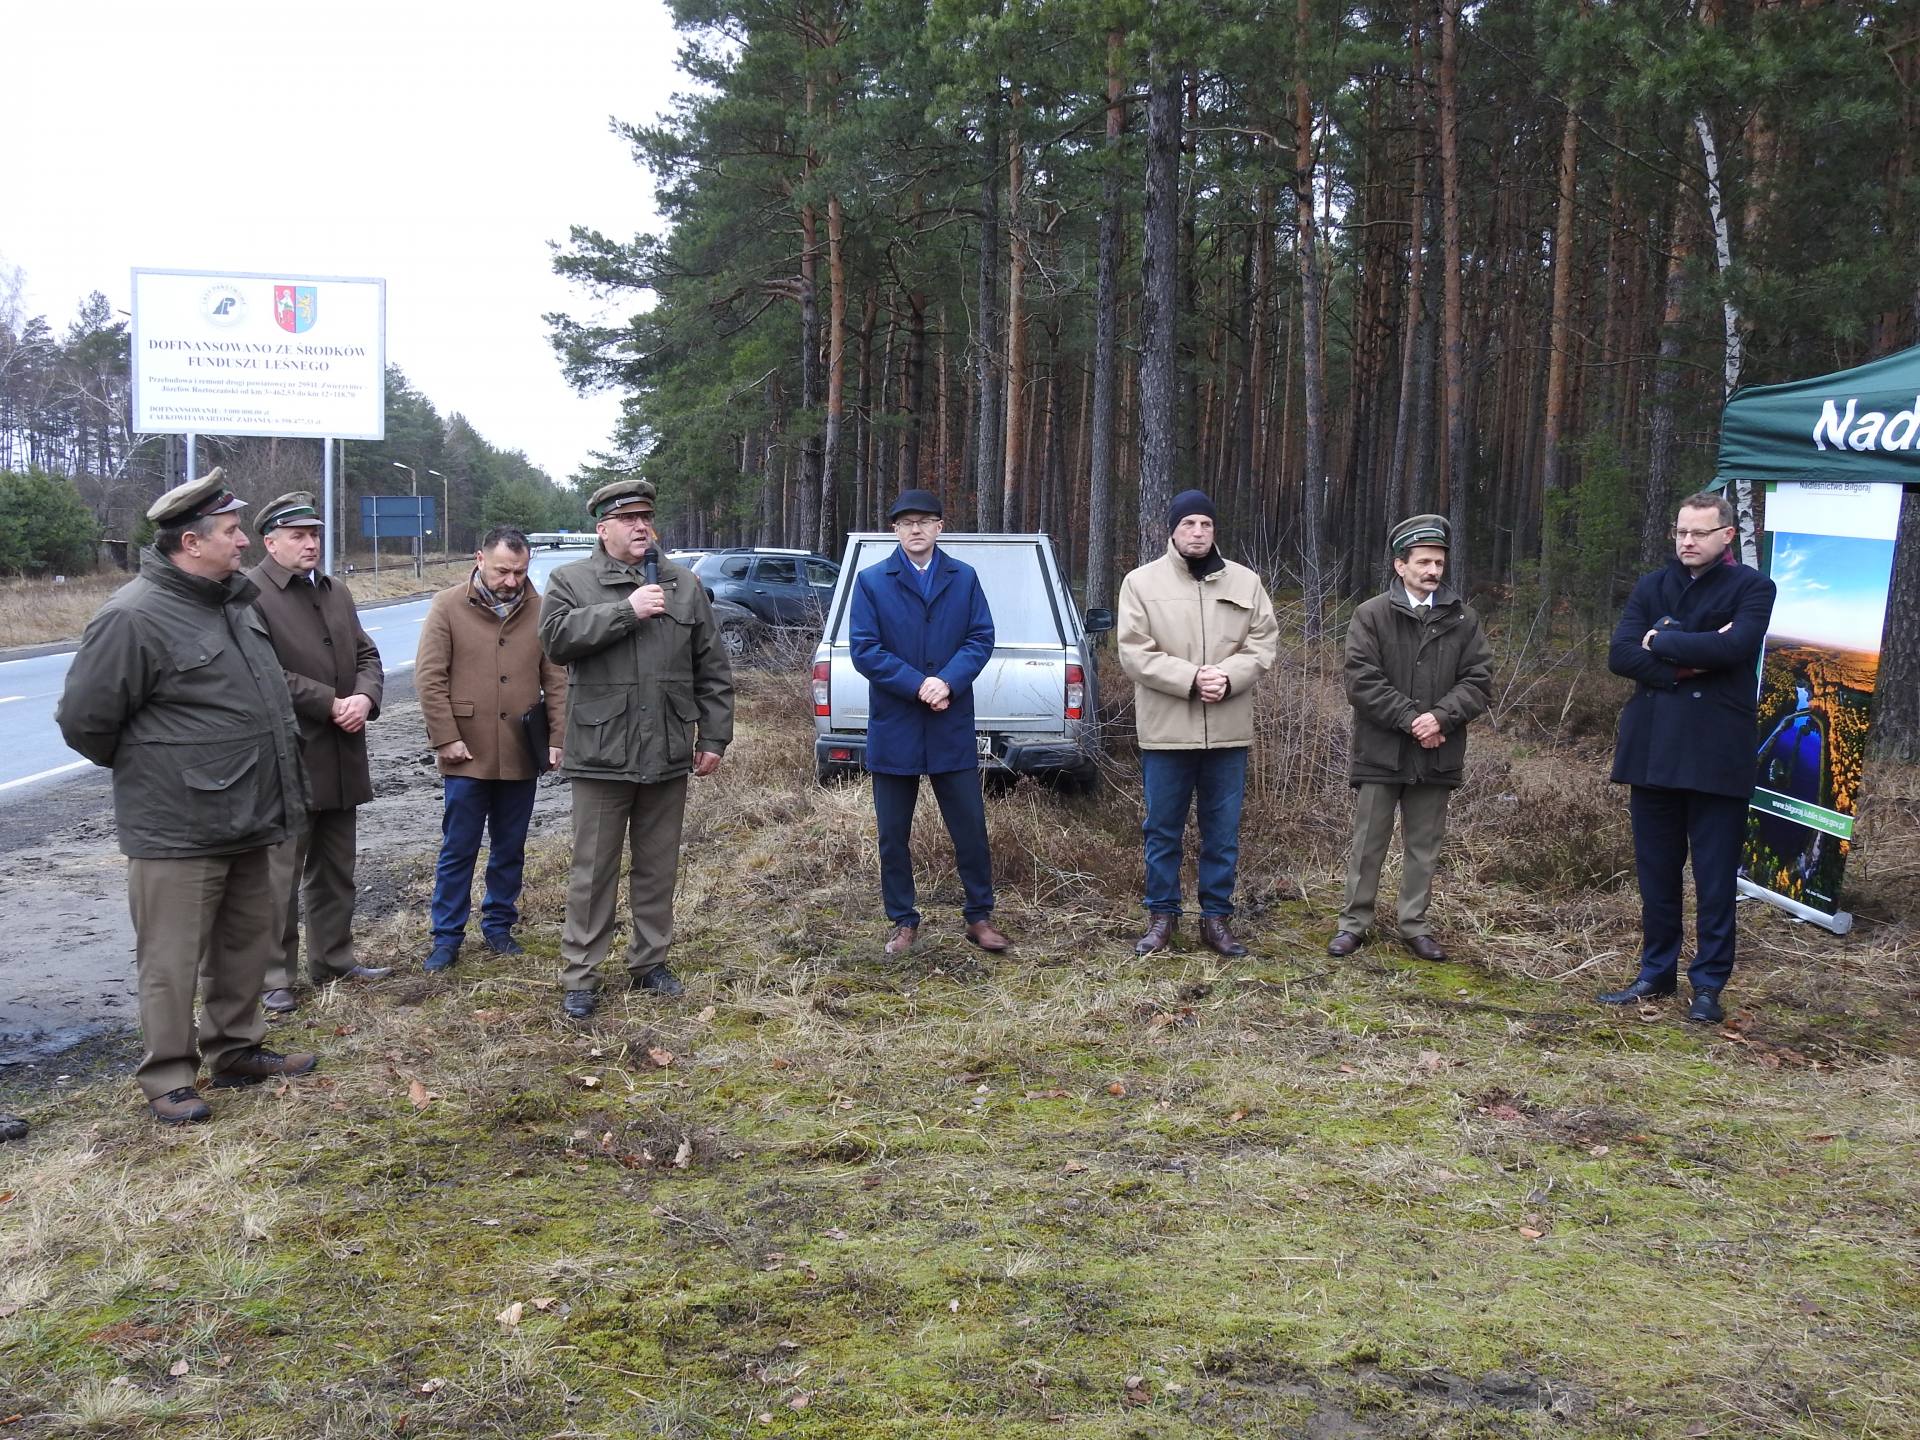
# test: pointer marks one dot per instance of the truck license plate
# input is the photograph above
(985, 744)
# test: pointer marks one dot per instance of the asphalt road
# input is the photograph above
(66, 943)
(32, 754)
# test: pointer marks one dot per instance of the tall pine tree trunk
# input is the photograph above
(986, 446)
(1314, 474)
(1100, 527)
(1452, 321)
(1560, 339)
(1013, 478)
(1159, 402)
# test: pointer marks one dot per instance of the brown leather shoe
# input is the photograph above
(180, 1107)
(1345, 943)
(250, 1067)
(982, 933)
(1215, 935)
(1425, 947)
(1159, 935)
(902, 939)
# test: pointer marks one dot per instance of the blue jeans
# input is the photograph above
(502, 809)
(1174, 780)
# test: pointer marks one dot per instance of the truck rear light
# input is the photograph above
(822, 687)
(1076, 692)
(840, 755)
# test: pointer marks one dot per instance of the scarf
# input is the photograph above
(502, 609)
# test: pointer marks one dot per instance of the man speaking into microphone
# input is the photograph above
(650, 702)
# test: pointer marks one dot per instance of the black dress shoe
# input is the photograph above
(1345, 943)
(1705, 1009)
(1424, 947)
(580, 1004)
(1636, 992)
(501, 942)
(661, 981)
(280, 1002)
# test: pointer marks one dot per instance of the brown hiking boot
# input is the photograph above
(902, 939)
(180, 1107)
(250, 1067)
(1215, 935)
(1159, 935)
(987, 937)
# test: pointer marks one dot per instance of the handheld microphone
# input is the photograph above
(650, 564)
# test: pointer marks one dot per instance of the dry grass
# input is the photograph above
(1066, 1191)
(39, 612)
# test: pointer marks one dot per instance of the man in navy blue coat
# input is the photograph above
(1691, 638)
(920, 632)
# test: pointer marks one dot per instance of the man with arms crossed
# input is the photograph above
(478, 672)
(176, 687)
(1690, 638)
(649, 702)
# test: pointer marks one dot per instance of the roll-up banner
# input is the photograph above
(1829, 551)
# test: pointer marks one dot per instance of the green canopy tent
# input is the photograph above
(1826, 449)
(1855, 426)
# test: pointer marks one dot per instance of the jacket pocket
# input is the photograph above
(221, 800)
(463, 710)
(680, 706)
(598, 732)
(196, 650)
(1227, 627)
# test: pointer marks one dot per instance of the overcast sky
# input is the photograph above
(438, 145)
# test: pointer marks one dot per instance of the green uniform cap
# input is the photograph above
(195, 500)
(1420, 530)
(619, 497)
(294, 508)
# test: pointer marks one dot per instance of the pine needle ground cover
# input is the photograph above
(1061, 1192)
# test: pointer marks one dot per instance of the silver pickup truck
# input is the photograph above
(1035, 705)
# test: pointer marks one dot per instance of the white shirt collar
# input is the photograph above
(1425, 604)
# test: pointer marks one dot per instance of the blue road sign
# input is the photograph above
(407, 517)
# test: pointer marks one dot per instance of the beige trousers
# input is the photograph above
(1423, 826)
(611, 817)
(211, 919)
(316, 876)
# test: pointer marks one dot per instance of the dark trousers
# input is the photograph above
(1667, 825)
(501, 810)
(961, 806)
(1174, 781)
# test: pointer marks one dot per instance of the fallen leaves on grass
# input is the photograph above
(661, 1058)
(510, 1317)
(1136, 1393)
(420, 1095)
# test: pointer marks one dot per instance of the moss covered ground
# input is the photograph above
(1061, 1192)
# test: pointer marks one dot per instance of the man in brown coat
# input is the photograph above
(479, 674)
(334, 674)
(1418, 670)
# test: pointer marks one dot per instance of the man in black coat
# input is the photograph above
(1691, 638)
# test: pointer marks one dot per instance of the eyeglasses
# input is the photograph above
(925, 522)
(644, 517)
(1680, 534)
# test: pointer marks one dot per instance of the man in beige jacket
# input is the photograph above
(479, 672)
(1196, 633)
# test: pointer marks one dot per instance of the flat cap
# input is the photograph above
(915, 502)
(294, 508)
(1420, 530)
(622, 495)
(195, 500)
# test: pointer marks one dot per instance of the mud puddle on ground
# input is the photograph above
(67, 997)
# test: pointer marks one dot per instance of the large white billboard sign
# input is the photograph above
(224, 354)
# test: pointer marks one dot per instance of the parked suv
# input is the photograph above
(781, 587)
(1035, 705)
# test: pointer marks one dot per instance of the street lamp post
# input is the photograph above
(446, 513)
(418, 543)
